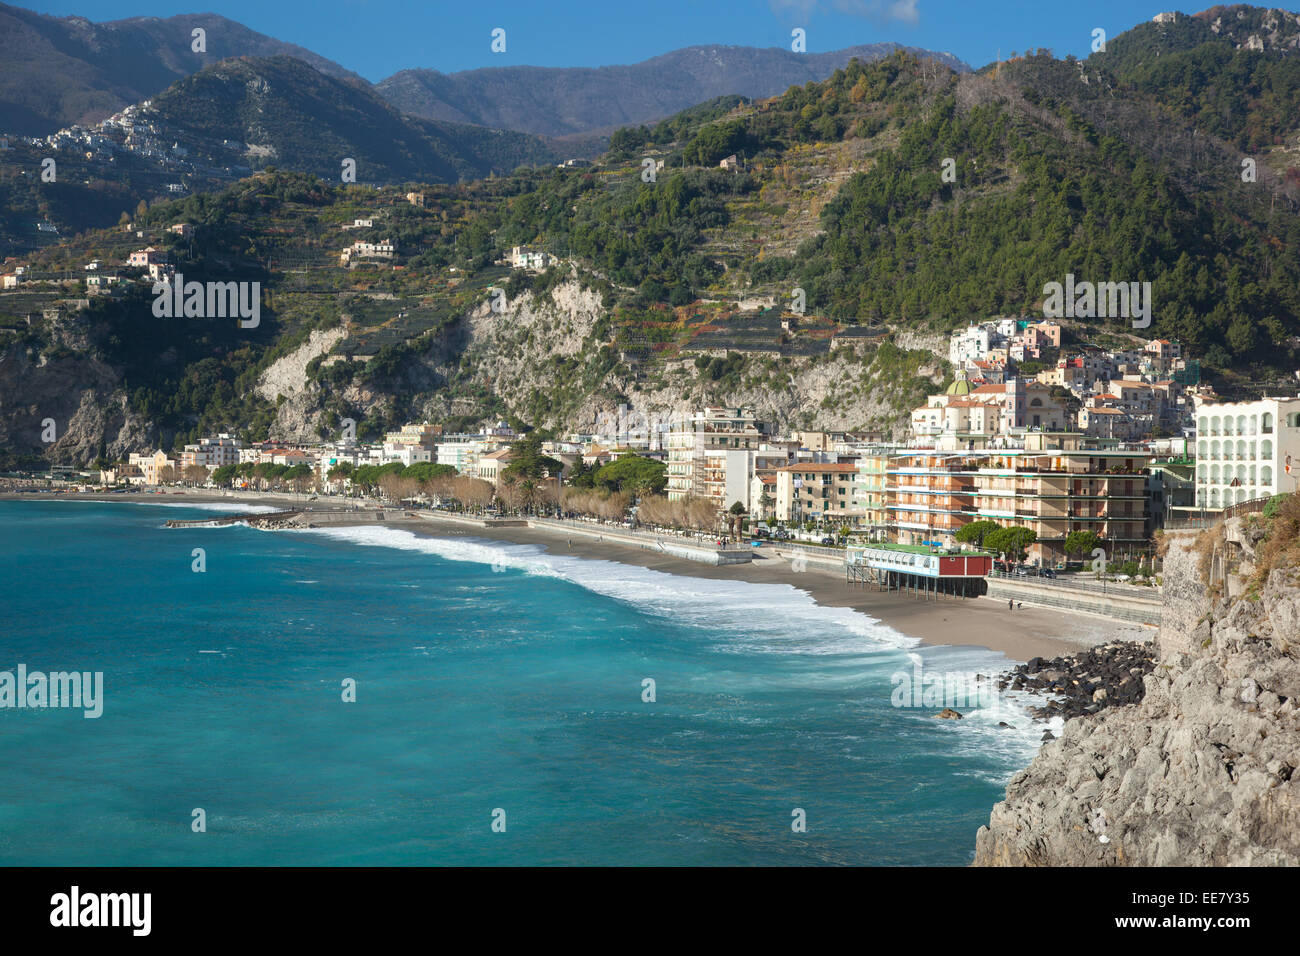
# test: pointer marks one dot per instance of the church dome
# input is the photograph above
(961, 385)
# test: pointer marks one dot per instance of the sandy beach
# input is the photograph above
(975, 622)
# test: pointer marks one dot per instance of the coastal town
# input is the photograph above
(1101, 449)
(458, 436)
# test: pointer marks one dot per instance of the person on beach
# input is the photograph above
(570, 544)
(1011, 605)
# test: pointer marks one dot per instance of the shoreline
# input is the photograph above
(980, 622)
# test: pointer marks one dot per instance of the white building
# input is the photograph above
(969, 344)
(213, 452)
(521, 258)
(383, 249)
(459, 451)
(1246, 450)
(696, 463)
(407, 454)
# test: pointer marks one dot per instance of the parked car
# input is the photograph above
(828, 540)
(1046, 573)
(1024, 571)
(781, 534)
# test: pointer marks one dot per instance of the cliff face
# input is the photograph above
(80, 394)
(1201, 772)
(538, 358)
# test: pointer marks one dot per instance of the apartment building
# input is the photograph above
(870, 490)
(424, 435)
(1246, 450)
(727, 475)
(697, 447)
(818, 491)
(1053, 486)
(459, 451)
(153, 466)
(212, 452)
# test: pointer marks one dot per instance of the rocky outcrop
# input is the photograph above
(1201, 771)
(285, 384)
(526, 355)
(75, 398)
(1109, 675)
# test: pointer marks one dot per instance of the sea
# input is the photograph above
(367, 696)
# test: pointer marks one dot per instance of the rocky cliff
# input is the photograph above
(1200, 772)
(540, 358)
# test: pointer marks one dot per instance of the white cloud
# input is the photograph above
(881, 11)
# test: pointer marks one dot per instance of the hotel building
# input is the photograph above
(1246, 450)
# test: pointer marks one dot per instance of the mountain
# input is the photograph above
(904, 199)
(561, 101)
(281, 111)
(226, 121)
(65, 70)
(61, 71)
(1233, 71)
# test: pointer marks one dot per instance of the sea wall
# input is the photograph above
(652, 542)
(1120, 604)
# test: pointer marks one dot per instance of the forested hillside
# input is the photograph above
(672, 274)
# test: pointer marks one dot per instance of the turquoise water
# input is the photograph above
(488, 676)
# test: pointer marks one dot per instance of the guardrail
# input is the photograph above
(1073, 584)
(1206, 518)
(617, 528)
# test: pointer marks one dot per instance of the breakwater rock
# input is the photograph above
(1085, 683)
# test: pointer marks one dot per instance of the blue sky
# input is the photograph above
(376, 39)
